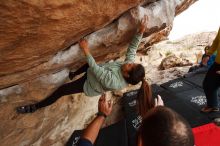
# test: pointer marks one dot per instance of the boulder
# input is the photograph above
(37, 35)
(174, 61)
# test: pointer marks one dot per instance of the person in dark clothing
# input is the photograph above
(211, 82)
(161, 126)
(206, 62)
(91, 132)
(101, 78)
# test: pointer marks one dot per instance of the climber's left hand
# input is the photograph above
(83, 44)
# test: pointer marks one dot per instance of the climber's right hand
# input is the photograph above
(83, 44)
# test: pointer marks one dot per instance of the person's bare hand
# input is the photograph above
(158, 101)
(142, 26)
(104, 105)
(84, 46)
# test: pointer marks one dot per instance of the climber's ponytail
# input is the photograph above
(145, 100)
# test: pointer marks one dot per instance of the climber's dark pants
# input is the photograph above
(66, 89)
(82, 69)
(211, 84)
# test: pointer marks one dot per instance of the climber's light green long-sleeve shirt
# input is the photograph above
(216, 46)
(108, 76)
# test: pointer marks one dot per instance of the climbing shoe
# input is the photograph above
(209, 109)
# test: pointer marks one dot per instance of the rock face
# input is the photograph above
(38, 48)
(36, 35)
(173, 61)
(33, 31)
(189, 48)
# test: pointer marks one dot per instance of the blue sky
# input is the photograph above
(202, 16)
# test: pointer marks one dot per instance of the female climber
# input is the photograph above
(106, 77)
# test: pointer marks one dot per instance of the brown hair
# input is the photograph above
(162, 126)
(135, 75)
(145, 100)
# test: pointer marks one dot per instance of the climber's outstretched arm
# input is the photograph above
(131, 52)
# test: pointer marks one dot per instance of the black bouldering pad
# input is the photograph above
(194, 97)
(183, 103)
(192, 115)
(177, 85)
(113, 135)
(167, 96)
(196, 80)
(129, 101)
(133, 122)
(212, 115)
(156, 88)
(74, 138)
(219, 92)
